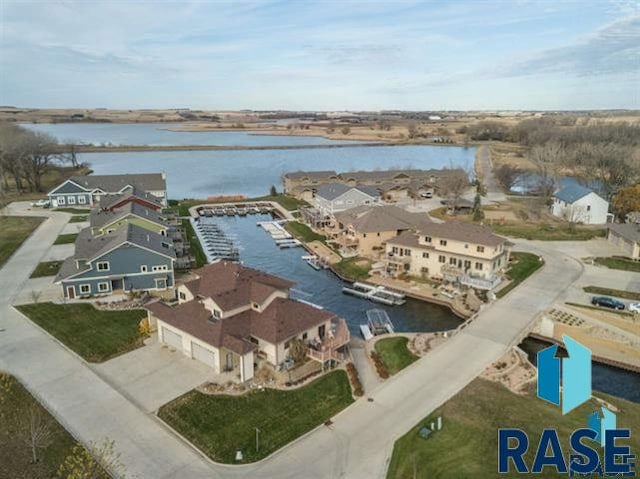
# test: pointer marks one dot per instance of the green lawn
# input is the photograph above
(547, 232)
(467, 445)
(394, 353)
(303, 232)
(355, 268)
(618, 262)
(524, 266)
(618, 293)
(73, 211)
(47, 268)
(15, 229)
(194, 243)
(66, 238)
(94, 334)
(15, 454)
(219, 425)
(287, 202)
(78, 218)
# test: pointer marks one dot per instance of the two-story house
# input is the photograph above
(231, 317)
(87, 191)
(128, 259)
(332, 198)
(107, 220)
(579, 204)
(454, 251)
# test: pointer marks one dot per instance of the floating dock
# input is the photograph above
(239, 209)
(215, 242)
(315, 262)
(378, 322)
(281, 236)
(379, 294)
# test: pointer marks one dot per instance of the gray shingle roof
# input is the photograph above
(370, 219)
(100, 217)
(107, 201)
(115, 183)
(628, 231)
(465, 232)
(572, 193)
(331, 191)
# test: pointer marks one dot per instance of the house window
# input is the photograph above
(85, 288)
(102, 266)
(143, 268)
(467, 264)
(364, 235)
(304, 336)
(287, 344)
(443, 242)
(255, 305)
(182, 295)
(61, 200)
(216, 313)
(321, 331)
(480, 249)
(425, 255)
(442, 259)
(72, 200)
(81, 200)
(479, 266)
(161, 283)
(466, 246)
(407, 252)
(162, 267)
(424, 269)
(452, 261)
(588, 207)
(103, 287)
(427, 239)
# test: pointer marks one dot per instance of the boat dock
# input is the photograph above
(216, 243)
(378, 322)
(238, 209)
(315, 262)
(378, 294)
(281, 236)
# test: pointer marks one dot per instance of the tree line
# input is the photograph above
(26, 155)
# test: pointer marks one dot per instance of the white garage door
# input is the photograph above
(203, 355)
(172, 339)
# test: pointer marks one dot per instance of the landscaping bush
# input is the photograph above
(354, 378)
(380, 367)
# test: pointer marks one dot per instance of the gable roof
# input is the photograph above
(464, 232)
(232, 285)
(572, 193)
(370, 219)
(108, 201)
(628, 231)
(115, 183)
(100, 217)
(331, 191)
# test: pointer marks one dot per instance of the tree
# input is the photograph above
(298, 350)
(35, 429)
(412, 130)
(478, 214)
(273, 191)
(507, 175)
(332, 127)
(453, 185)
(345, 130)
(84, 464)
(546, 159)
(626, 200)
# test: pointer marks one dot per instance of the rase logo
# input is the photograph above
(597, 449)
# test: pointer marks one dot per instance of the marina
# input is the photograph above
(281, 236)
(379, 294)
(238, 209)
(217, 245)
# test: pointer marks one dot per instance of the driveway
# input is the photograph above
(43, 287)
(153, 375)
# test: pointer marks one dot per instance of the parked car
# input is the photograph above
(634, 307)
(606, 302)
(43, 203)
(426, 194)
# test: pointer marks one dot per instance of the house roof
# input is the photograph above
(628, 231)
(572, 193)
(89, 247)
(283, 319)
(331, 191)
(100, 217)
(370, 219)
(115, 183)
(231, 285)
(108, 201)
(464, 232)
(363, 175)
(298, 175)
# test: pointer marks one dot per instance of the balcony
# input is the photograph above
(394, 258)
(328, 348)
(480, 283)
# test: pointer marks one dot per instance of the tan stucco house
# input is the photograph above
(627, 237)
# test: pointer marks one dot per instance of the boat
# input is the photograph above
(313, 261)
(378, 294)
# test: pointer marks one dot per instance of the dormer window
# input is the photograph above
(255, 306)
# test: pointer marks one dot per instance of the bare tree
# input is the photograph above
(507, 175)
(547, 159)
(453, 185)
(35, 429)
(412, 130)
(92, 464)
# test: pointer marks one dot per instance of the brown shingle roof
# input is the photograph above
(465, 232)
(371, 219)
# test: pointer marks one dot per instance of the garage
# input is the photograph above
(203, 355)
(172, 339)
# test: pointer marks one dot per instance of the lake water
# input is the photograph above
(157, 134)
(258, 250)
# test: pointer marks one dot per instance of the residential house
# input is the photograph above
(112, 202)
(363, 230)
(128, 259)
(107, 220)
(232, 318)
(87, 191)
(334, 197)
(579, 204)
(453, 251)
(627, 237)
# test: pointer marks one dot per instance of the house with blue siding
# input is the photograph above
(107, 220)
(87, 191)
(128, 259)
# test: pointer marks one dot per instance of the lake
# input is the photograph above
(199, 174)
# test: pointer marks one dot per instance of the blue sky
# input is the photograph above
(329, 55)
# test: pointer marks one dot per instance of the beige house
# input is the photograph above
(452, 251)
(627, 237)
(232, 318)
(364, 230)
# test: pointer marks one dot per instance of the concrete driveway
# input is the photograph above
(153, 375)
(59, 252)
(44, 287)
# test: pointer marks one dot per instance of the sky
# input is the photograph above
(321, 55)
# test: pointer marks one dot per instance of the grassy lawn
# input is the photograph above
(93, 334)
(15, 454)
(46, 268)
(467, 445)
(303, 232)
(219, 425)
(547, 232)
(66, 238)
(78, 218)
(394, 353)
(287, 202)
(525, 265)
(618, 262)
(15, 229)
(355, 268)
(194, 243)
(618, 293)
(73, 211)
